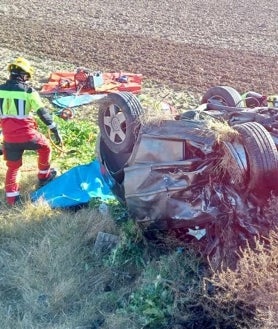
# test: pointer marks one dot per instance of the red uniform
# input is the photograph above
(18, 103)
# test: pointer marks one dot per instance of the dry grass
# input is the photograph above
(223, 132)
(228, 166)
(155, 111)
(248, 295)
(48, 270)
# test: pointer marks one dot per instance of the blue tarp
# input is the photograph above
(75, 187)
(76, 100)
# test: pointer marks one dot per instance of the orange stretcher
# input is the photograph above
(100, 83)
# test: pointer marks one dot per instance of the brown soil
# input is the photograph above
(191, 45)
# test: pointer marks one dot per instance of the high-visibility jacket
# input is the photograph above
(18, 103)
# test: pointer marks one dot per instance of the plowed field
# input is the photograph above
(187, 44)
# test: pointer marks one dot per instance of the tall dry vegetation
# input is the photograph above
(247, 296)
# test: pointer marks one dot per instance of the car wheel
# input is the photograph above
(112, 168)
(262, 156)
(118, 121)
(115, 163)
(235, 162)
(222, 96)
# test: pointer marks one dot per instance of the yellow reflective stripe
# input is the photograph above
(9, 107)
(13, 94)
(35, 101)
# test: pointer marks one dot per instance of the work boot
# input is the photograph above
(19, 200)
(14, 201)
(51, 176)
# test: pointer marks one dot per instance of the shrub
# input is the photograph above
(247, 297)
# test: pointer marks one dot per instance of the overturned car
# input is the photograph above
(199, 171)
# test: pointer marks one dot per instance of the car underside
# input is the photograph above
(209, 170)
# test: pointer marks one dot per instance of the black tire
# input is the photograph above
(223, 95)
(238, 168)
(112, 168)
(118, 121)
(262, 156)
(114, 163)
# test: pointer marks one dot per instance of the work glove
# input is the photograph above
(57, 136)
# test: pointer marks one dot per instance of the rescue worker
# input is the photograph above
(18, 102)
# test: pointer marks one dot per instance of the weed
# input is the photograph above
(165, 289)
(130, 251)
(79, 138)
